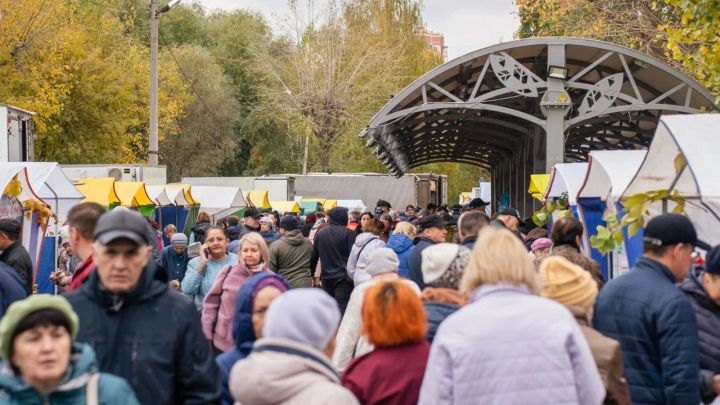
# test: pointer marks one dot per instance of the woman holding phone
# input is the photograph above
(202, 270)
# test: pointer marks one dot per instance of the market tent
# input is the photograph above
(681, 159)
(258, 198)
(538, 185)
(219, 201)
(133, 194)
(284, 207)
(310, 206)
(99, 190)
(183, 195)
(566, 178)
(608, 174)
(171, 207)
(351, 205)
(159, 196)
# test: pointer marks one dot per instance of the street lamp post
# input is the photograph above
(154, 27)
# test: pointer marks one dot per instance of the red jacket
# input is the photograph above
(390, 375)
(81, 274)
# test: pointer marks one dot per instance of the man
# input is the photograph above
(82, 219)
(332, 246)
(411, 213)
(469, 225)
(652, 319)
(14, 253)
(477, 204)
(251, 219)
(12, 287)
(703, 290)
(290, 255)
(432, 231)
(232, 227)
(174, 259)
(510, 218)
(140, 329)
(383, 206)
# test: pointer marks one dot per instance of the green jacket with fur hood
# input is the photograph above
(72, 390)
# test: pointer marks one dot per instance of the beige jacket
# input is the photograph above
(280, 371)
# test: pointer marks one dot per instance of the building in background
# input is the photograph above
(436, 42)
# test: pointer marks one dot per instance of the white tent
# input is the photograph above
(49, 183)
(609, 173)
(165, 196)
(219, 201)
(682, 157)
(566, 178)
(358, 205)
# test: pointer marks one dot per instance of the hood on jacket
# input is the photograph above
(82, 361)
(293, 238)
(147, 288)
(692, 285)
(365, 238)
(444, 296)
(338, 216)
(399, 243)
(232, 232)
(270, 377)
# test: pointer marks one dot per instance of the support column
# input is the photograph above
(555, 105)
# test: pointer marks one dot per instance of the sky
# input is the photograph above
(466, 24)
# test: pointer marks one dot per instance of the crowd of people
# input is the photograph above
(434, 305)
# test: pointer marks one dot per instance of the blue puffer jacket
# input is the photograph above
(403, 247)
(72, 390)
(12, 287)
(243, 332)
(707, 313)
(655, 325)
(436, 312)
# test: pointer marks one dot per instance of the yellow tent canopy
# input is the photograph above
(285, 206)
(98, 190)
(187, 191)
(132, 193)
(538, 184)
(327, 204)
(259, 198)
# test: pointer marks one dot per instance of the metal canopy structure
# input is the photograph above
(498, 108)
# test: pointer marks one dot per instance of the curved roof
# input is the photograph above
(484, 107)
(99, 190)
(132, 193)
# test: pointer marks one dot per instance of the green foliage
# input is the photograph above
(544, 214)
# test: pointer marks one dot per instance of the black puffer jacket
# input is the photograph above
(199, 230)
(151, 337)
(18, 258)
(707, 314)
(332, 245)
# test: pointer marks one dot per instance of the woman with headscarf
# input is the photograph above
(253, 300)
(42, 364)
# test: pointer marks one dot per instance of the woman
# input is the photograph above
(401, 242)
(382, 266)
(364, 245)
(219, 305)
(41, 364)
(505, 344)
(573, 287)
(202, 270)
(394, 322)
(566, 237)
(254, 298)
(199, 231)
(365, 219)
(443, 266)
(267, 229)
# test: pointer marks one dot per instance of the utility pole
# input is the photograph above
(153, 133)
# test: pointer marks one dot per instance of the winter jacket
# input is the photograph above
(269, 237)
(290, 257)
(391, 375)
(174, 264)
(655, 325)
(197, 284)
(510, 347)
(608, 357)
(403, 247)
(232, 232)
(242, 331)
(439, 303)
(81, 274)
(151, 337)
(18, 258)
(415, 263)
(364, 245)
(218, 308)
(306, 228)
(72, 390)
(574, 256)
(469, 242)
(280, 371)
(332, 246)
(12, 287)
(199, 231)
(707, 314)
(349, 342)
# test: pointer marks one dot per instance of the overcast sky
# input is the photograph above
(467, 24)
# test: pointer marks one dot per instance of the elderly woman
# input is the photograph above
(41, 364)
(401, 242)
(508, 345)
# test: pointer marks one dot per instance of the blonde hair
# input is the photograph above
(405, 228)
(256, 239)
(499, 258)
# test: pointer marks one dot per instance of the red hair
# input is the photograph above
(393, 315)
